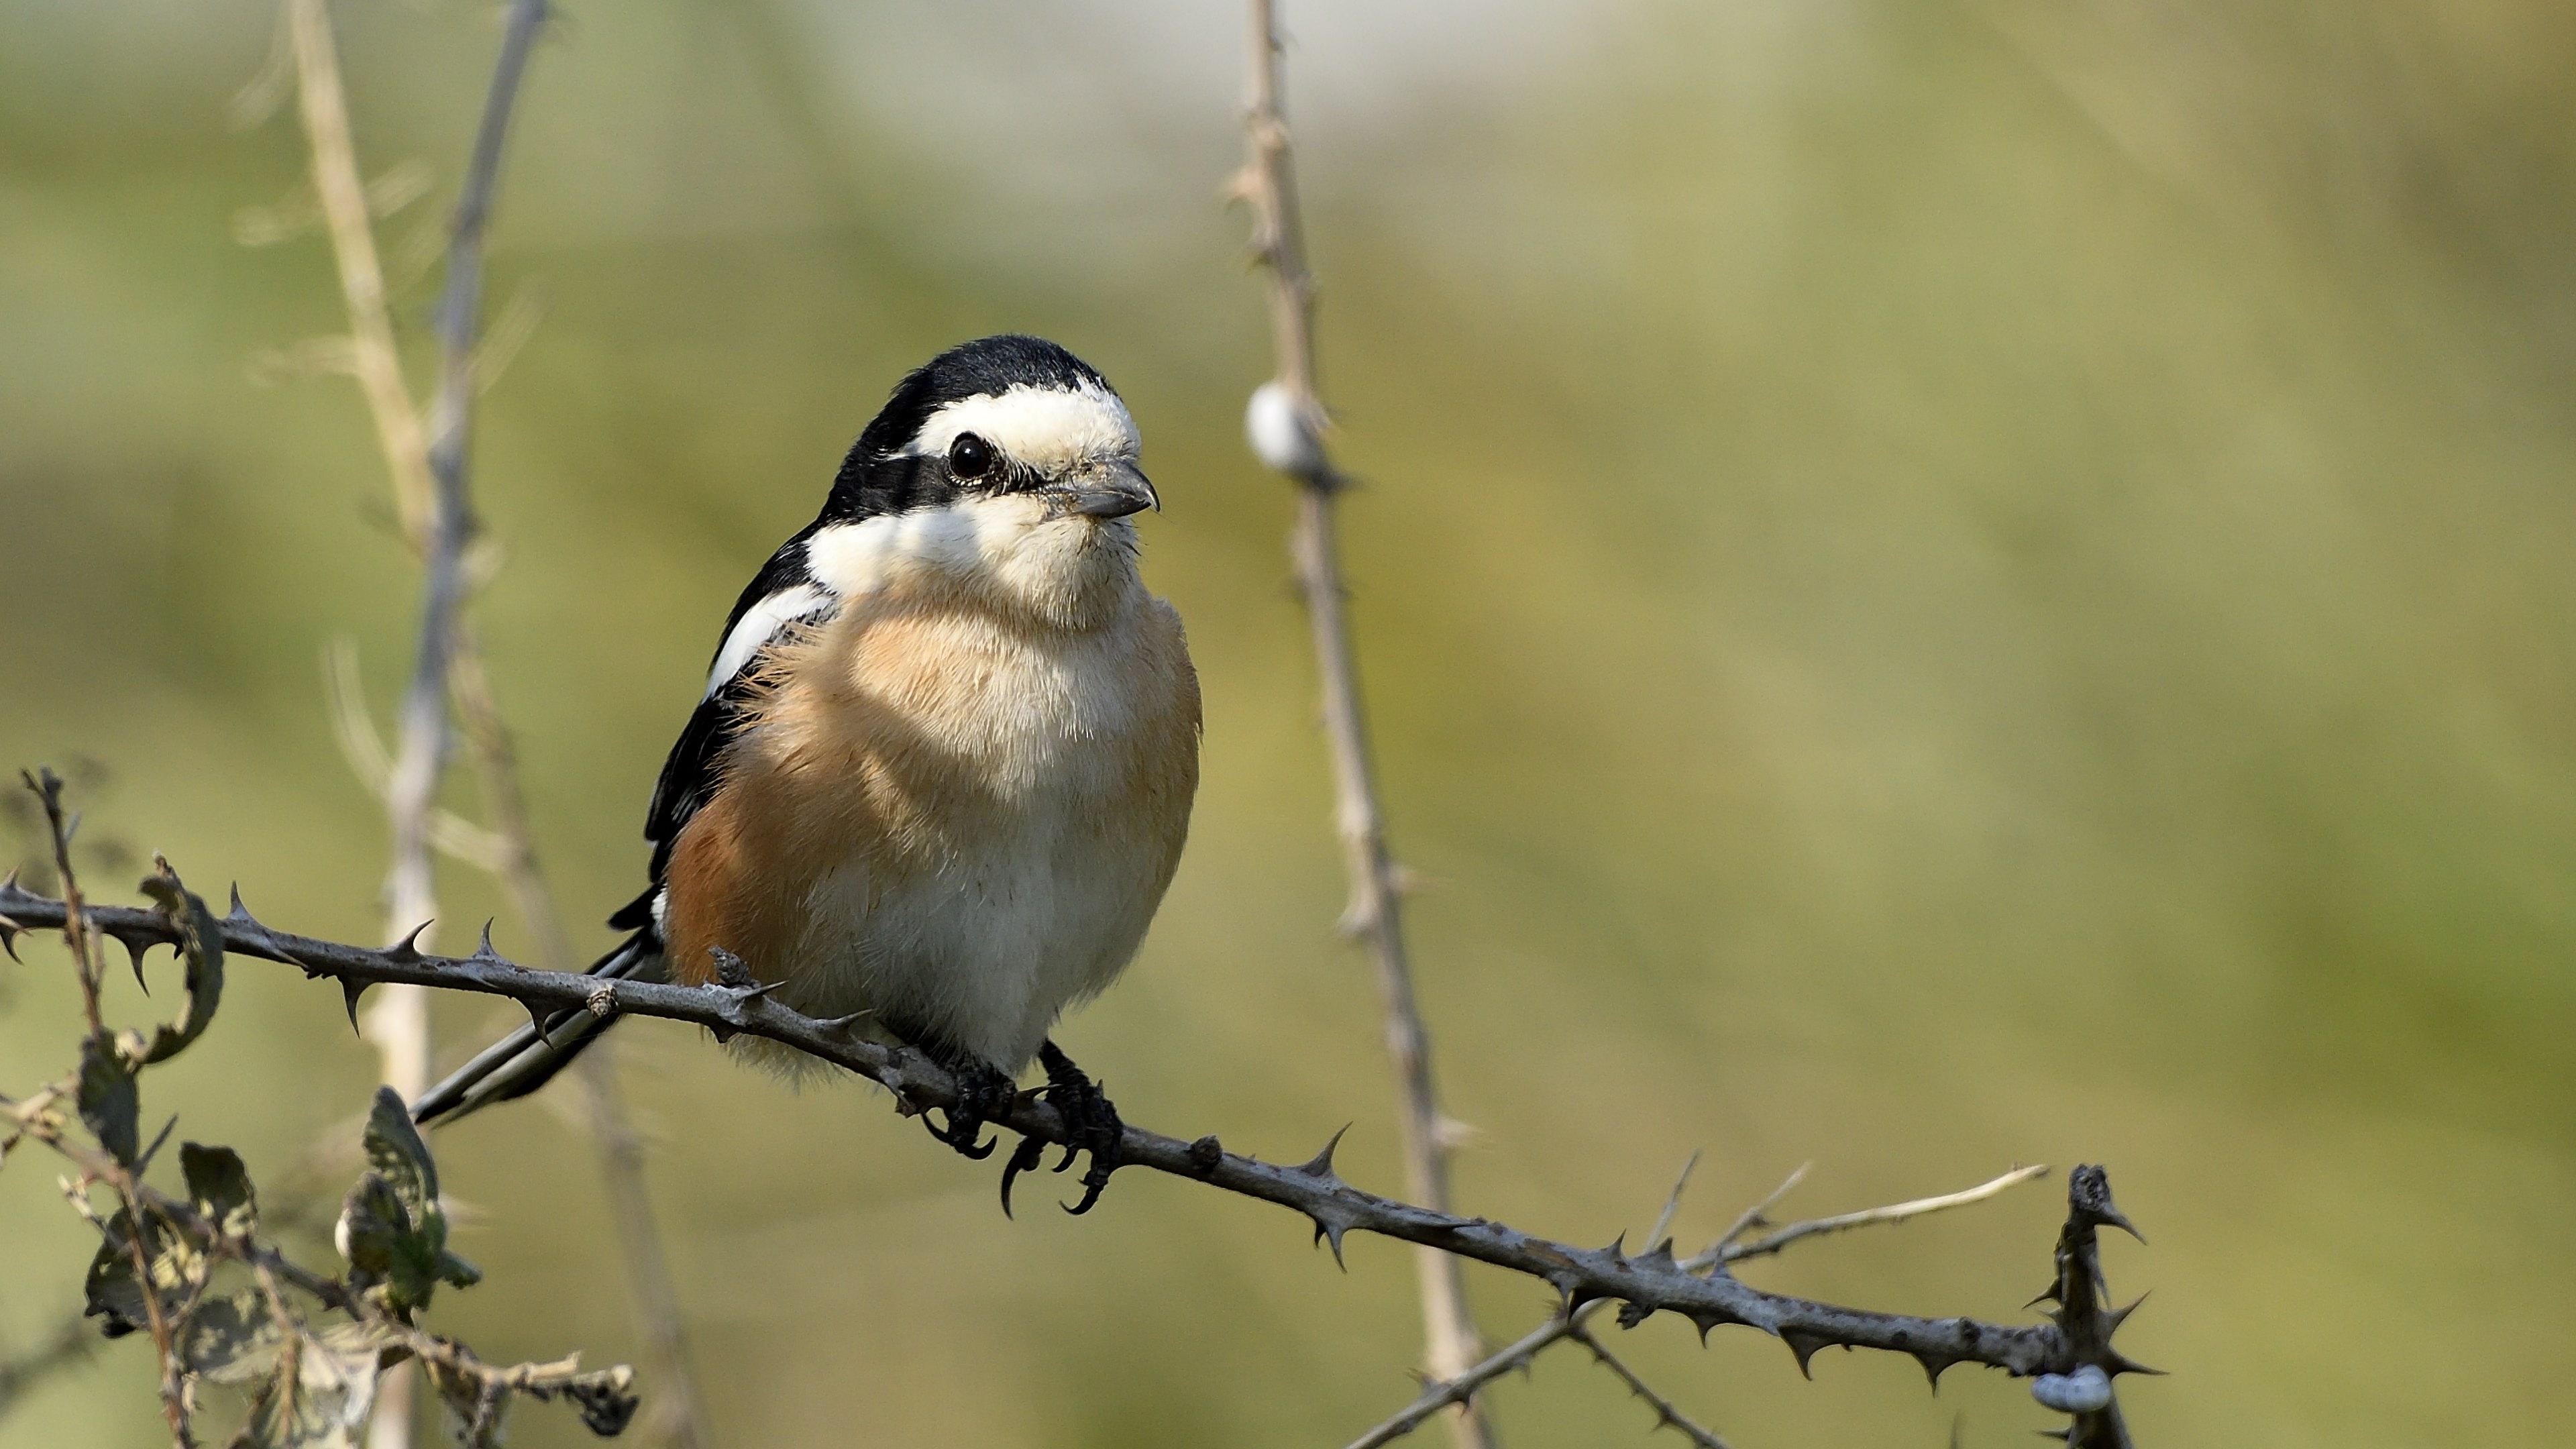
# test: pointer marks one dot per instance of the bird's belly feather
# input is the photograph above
(954, 823)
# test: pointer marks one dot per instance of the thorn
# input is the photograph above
(2120, 1363)
(844, 1023)
(1934, 1365)
(134, 949)
(144, 1162)
(483, 950)
(536, 1017)
(1332, 1232)
(2118, 1316)
(1659, 1258)
(753, 992)
(1321, 1164)
(1704, 1321)
(10, 931)
(1804, 1346)
(238, 913)
(350, 990)
(408, 948)
(9, 883)
(1618, 1249)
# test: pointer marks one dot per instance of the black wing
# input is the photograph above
(689, 773)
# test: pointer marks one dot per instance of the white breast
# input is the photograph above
(1026, 878)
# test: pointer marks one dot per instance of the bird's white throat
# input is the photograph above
(1010, 552)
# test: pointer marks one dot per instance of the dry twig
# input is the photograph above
(430, 475)
(603, 1391)
(1286, 421)
(1727, 1249)
(1646, 1283)
(429, 472)
(1666, 1415)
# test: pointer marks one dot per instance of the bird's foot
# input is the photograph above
(983, 1092)
(1091, 1125)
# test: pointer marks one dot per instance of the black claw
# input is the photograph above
(1092, 1124)
(981, 1092)
(1023, 1157)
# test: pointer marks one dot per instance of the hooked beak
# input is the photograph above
(1108, 490)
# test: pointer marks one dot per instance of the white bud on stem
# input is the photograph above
(1279, 432)
(2085, 1391)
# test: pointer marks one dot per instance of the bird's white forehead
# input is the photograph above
(1044, 427)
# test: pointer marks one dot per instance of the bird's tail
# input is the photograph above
(527, 1059)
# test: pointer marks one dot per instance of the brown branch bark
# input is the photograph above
(1289, 410)
(1647, 1283)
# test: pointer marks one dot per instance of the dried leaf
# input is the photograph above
(395, 1150)
(113, 1290)
(479, 1412)
(372, 1223)
(392, 1230)
(324, 1389)
(201, 945)
(221, 1187)
(231, 1340)
(108, 1102)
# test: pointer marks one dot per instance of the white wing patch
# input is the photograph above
(760, 624)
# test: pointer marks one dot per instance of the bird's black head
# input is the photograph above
(1007, 414)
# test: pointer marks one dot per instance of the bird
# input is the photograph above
(942, 769)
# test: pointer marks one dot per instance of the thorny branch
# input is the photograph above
(602, 1394)
(1729, 1248)
(1286, 422)
(98, 1052)
(158, 1255)
(1645, 1283)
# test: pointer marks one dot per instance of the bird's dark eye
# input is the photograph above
(970, 456)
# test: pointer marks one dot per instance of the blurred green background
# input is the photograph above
(1943, 585)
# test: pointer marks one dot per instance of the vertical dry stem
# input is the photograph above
(343, 196)
(430, 486)
(398, 1021)
(1268, 184)
(677, 1413)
